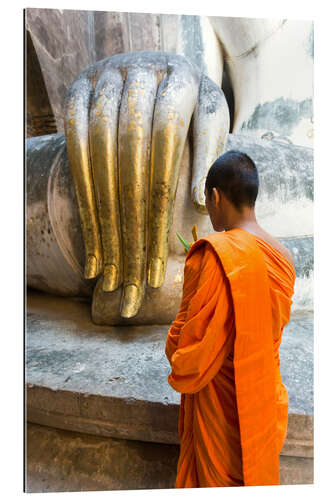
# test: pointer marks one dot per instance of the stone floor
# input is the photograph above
(65, 350)
(96, 393)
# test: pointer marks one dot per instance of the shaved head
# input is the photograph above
(235, 175)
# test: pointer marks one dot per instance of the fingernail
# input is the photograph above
(110, 278)
(90, 270)
(132, 299)
(155, 272)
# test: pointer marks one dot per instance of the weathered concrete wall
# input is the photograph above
(69, 461)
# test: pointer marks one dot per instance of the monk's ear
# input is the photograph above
(216, 196)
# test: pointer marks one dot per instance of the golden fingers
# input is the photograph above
(135, 119)
(76, 129)
(127, 118)
(103, 136)
(174, 107)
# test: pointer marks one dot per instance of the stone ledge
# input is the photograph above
(128, 424)
(67, 461)
(103, 416)
(116, 385)
(60, 460)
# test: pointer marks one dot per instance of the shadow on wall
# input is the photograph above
(40, 119)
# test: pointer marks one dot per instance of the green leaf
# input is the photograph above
(184, 242)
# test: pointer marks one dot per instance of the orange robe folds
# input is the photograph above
(223, 352)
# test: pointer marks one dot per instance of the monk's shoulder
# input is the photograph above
(216, 239)
(273, 242)
(194, 258)
(202, 248)
(202, 255)
(286, 252)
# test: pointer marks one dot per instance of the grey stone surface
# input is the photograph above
(39, 115)
(64, 47)
(112, 381)
(54, 260)
(60, 460)
(299, 440)
(285, 170)
(111, 33)
(302, 251)
(296, 470)
(296, 356)
(66, 351)
(282, 114)
(69, 461)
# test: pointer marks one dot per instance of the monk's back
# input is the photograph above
(257, 231)
(281, 275)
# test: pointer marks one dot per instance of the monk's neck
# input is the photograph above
(246, 220)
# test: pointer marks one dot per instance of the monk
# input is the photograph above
(223, 346)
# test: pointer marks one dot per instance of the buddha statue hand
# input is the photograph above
(126, 121)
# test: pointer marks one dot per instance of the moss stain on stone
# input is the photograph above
(281, 115)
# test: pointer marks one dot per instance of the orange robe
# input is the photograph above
(223, 352)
